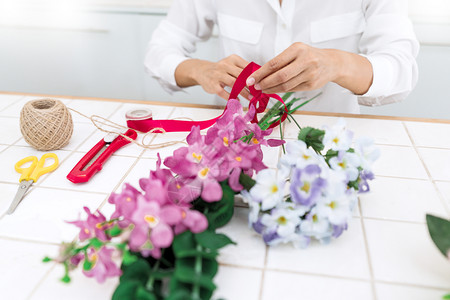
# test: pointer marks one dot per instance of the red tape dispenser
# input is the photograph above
(93, 161)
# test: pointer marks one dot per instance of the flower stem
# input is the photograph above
(151, 280)
(198, 270)
(293, 119)
(281, 136)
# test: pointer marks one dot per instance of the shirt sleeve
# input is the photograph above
(389, 43)
(175, 38)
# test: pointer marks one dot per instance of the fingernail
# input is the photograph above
(250, 98)
(257, 87)
(250, 81)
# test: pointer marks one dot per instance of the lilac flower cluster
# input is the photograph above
(147, 220)
(311, 196)
(230, 147)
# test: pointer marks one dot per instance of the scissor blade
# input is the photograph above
(23, 188)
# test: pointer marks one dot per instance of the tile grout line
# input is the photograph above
(24, 240)
(12, 103)
(368, 256)
(263, 273)
(43, 278)
(430, 178)
(397, 283)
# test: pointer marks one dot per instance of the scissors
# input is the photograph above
(31, 175)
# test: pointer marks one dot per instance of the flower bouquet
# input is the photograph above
(161, 238)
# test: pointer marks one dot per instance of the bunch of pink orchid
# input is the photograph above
(230, 147)
(146, 220)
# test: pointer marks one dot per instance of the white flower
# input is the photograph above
(298, 155)
(254, 206)
(269, 190)
(337, 210)
(348, 163)
(367, 152)
(316, 226)
(283, 221)
(338, 137)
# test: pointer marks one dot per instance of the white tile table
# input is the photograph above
(385, 254)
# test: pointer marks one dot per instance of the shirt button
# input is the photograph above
(284, 26)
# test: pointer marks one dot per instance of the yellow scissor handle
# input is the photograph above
(26, 172)
(37, 167)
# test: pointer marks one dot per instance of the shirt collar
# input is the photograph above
(284, 13)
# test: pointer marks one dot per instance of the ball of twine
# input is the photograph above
(46, 124)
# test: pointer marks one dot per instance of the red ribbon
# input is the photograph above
(259, 101)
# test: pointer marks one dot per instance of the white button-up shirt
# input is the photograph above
(258, 30)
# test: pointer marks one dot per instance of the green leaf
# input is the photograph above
(138, 271)
(143, 294)
(65, 279)
(440, 233)
(114, 231)
(128, 258)
(87, 265)
(200, 279)
(126, 290)
(187, 266)
(46, 259)
(312, 137)
(222, 211)
(183, 242)
(446, 297)
(246, 181)
(179, 295)
(96, 243)
(212, 240)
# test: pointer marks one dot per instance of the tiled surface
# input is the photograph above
(404, 253)
(385, 254)
(292, 286)
(401, 199)
(23, 262)
(437, 162)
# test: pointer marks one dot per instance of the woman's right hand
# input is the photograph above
(212, 77)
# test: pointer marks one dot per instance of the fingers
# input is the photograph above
(272, 66)
(288, 77)
(302, 82)
(222, 93)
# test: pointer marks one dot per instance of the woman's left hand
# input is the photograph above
(304, 68)
(298, 68)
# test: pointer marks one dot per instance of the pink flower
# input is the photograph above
(125, 204)
(103, 266)
(94, 226)
(193, 220)
(152, 225)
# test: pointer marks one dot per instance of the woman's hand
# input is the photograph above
(213, 77)
(303, 68)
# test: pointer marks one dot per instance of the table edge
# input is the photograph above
(195, 105)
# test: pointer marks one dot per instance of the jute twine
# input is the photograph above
(118, 129)
(46, 124)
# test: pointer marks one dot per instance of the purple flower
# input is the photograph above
(363, 184)
(306, 185)
(103, 266)
(94, 226)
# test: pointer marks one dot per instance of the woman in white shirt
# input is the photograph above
(353, 51)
